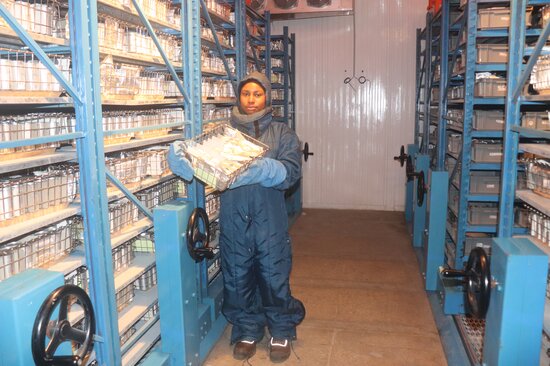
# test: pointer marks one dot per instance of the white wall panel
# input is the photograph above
(355, 132)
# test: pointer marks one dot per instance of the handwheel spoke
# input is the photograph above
(75, 335)
(63, 308)
(196, 237)
(52, 345)
(196, 234)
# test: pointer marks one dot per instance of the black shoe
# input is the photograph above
(244, 349)
(279, 350)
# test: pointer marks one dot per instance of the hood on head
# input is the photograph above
(261, 79)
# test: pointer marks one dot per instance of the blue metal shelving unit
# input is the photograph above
(420, 150)
(287, 55)
(518, 75)
(432, 237)
(520, 66)
(504, 317)
(90, 151)
(258, 44)
(467, 24)
(85, 98)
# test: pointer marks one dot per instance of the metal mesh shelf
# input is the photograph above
(37, 249)
(24, 197)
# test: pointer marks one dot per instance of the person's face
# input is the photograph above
(252, 98)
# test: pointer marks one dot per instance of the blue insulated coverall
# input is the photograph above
(255, 244)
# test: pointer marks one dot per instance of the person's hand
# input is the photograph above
(264, 171)
(177, 162)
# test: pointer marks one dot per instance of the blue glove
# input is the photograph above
(264, 171)
(177, 162)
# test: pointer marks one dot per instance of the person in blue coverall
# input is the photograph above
(254, 241)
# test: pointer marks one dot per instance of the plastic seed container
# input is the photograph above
(488, 120)
(147, 280)
(123, 256)
(124, 297)
(498, 18)
(486, 151)
(490, 88)
(127, 335)
(221, 154)
(538, 176)
(79, 277)
(483, 214)
(212, 205)
(145, 242)
(536, 120)
(480, 240)
(152, 311)
(484, 182)
(492, 53)
(539, 225)
(454, 143)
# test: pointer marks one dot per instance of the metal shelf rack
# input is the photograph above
(84, 100)
(471, 33)
(280, 56)
(475, 110)
(534, 141)
(282, 74)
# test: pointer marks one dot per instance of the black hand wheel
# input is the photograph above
(477, 283)
(409, 168)
(420, 189)
(306, 152)
(197, 241)
(420, 186)
(55, 332)
(402, 157)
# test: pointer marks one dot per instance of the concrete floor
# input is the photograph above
(358, 277)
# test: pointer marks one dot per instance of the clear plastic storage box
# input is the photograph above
(454, 143)
(538, 176)
(536, 120)
(498, 18)
(490, 88)
(486, 151)
(483, 214)
(484, 182)
(477, 240)
(455, 92)
(488, 120)
(492, 53)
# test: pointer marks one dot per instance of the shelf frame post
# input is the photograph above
(93, 186)
(466, 153)
(443, 86)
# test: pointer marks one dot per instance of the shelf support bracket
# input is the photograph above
(129, 194)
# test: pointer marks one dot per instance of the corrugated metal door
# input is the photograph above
(355, 129)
